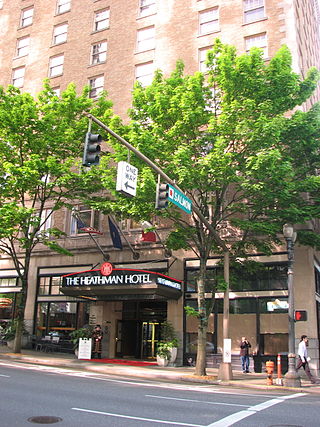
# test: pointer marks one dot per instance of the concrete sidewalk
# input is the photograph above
(183, 374)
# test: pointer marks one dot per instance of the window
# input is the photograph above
(23, 46)
(144, 73)
(253, 10)
(209, 21)
(147, 7)
(8, 282)
(18, 77)
(99, 53)
(56, 66)
(56, 91)
(96, 86)
(46, 220)
(50, 285)
(145, 39)
(88, 217)
(63, 6)
(202, 59)
(260, 41)
(27, 17)
(60, 33)
(101, 20)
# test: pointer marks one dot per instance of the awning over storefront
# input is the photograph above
(110, 283)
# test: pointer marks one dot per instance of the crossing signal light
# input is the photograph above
(300, 315)
(162, 196)
(92, 149)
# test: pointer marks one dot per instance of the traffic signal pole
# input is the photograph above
(225, 371)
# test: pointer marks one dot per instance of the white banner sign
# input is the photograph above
(84, 348)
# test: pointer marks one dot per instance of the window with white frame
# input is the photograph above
(96, 85)
(27, 17)
(99, 53)
(18, 77)
(86, 217)
(208, 21)
(147, 7)
(145, 39)
(56, 66)
(63, 6)
(23, 46)
(56, 91)
(144, 73)
(45, 220)
(253, 10)
(202, 59)
(101, 20)
(60, 33)
(258, 40)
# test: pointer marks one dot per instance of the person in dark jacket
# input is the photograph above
(244, 354)
(97, 336)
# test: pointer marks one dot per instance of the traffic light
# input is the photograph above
(300, 315)
(91, 153)
(162, 196)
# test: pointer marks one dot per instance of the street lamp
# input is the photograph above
(291, 378)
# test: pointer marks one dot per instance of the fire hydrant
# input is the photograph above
(269, 369)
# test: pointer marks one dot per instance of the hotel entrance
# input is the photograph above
(139, 330)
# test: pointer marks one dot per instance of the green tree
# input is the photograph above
(41, 141)
(236, 144)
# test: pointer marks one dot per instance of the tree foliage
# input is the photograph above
(41, 140)
(235, 141)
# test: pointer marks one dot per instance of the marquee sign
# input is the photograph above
(109, 281)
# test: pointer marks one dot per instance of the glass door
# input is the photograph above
(150, 339)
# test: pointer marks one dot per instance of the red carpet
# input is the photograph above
(125, 362)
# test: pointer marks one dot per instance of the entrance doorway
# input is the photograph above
(139, 330)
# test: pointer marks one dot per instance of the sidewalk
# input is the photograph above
(183, 374)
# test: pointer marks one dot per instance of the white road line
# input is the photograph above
(234, 418)
(109, 414)
(197, 401)
(6, 376)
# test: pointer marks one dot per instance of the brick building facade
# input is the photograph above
(109, 44)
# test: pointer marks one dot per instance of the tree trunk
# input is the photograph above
(203, 320)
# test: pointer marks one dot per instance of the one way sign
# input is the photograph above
(127, 177)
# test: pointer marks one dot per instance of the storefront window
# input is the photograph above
(6, 307)
(58, 318)
(264, 277)
(50, 285)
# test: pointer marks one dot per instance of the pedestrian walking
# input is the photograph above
(244, 354)
(97, 336)
(304, 359)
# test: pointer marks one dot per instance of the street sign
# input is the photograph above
(179, 199)
(127, 177)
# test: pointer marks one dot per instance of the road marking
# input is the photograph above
(238, 416)
(6, 376)
(197, 401)
(110, 414)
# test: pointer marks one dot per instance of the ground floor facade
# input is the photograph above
(131, 302)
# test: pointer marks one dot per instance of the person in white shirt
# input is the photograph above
(304, 359)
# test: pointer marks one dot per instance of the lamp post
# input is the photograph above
(291, 378)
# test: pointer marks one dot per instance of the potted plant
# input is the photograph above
(9, 334)
(168, 344)
(85, 332)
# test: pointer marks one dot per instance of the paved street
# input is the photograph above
(84, 398)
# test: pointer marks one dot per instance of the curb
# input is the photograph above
(153, 374)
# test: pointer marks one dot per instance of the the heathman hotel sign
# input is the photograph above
(115, 283)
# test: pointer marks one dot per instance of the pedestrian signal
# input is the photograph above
(300, 315)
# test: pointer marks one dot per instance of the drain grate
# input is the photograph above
(44, 420)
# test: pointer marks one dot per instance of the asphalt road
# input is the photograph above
(40, 395)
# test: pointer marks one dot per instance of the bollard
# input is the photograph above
(279, 374)
(269, 369)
